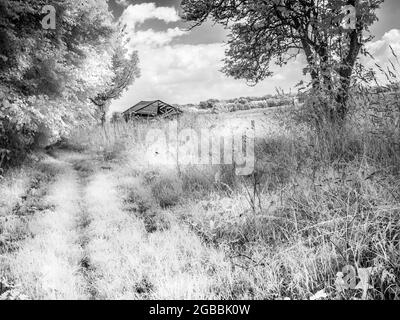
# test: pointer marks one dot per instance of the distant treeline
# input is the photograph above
(244, 103)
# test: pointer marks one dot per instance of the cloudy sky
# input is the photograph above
(180, 66)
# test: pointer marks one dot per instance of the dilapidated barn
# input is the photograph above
(151, 109)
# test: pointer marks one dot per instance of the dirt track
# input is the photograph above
(89, 244)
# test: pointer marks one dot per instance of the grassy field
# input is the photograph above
(107, 216)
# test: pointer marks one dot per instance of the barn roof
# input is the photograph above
(146, 107)
(139, 106)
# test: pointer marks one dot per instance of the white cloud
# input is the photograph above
(123, 3)
(382, 53)
(134, 15)
(380, 49)
(151, 38)
(191, 73)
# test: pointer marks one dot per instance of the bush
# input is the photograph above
(197, 181)
(209, 104)
(279, 102)
(15, 143)
(167, 191)
(139, 200)
(113, 151)
(140, 197)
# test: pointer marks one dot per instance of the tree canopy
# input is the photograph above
(330, 33)
(126, 70)
(49, 77)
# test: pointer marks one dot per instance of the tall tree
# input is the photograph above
(48, 76)
(276, 31)
(126, 70)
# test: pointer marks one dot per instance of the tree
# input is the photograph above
(116, 117)
(267, 31)
(209, 104)
(126, 70)
(47, 77)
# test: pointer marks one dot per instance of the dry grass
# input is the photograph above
(129, 261)
(47, 265)
(134, 227)
(314, 205)
(19, 220)
(13, 186)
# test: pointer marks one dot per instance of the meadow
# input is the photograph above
(317, 219)
(293, 196)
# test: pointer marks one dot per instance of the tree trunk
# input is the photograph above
(102, 110)
(311, 63)
(345, 73)
(342, 97)
(103, 116)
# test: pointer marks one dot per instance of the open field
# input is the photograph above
(186, 149)
(102, 218)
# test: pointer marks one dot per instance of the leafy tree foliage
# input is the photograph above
(276, 31)
(116, 117)
(125, 68)
(48, 77)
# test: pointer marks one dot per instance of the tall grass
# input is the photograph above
(318, 201)
(315, 204)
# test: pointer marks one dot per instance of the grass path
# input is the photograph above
(129, 262)
(89, 245)
(47, 264)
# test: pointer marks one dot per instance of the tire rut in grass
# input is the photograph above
(30, 203)
(138, 200)
(42, 262)
(84, 172)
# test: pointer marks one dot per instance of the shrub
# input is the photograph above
(167, 191)
(225, 178)
(15, 143)
(113, 151)
(197, 181)
(140, 198)
(209, 104)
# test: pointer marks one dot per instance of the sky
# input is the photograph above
(181, 66)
